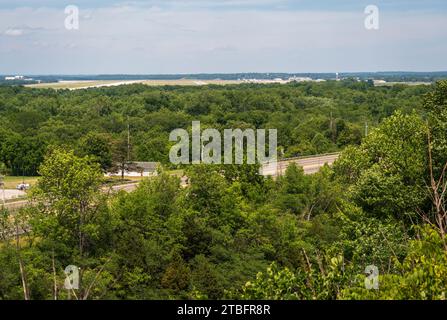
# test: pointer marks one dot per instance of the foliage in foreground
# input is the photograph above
(233, 234)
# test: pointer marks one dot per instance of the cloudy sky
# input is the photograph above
(213, 36)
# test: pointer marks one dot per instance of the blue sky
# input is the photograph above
(335, 5)
(194, 36)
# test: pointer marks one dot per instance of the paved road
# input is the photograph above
(309, 164)
(16, 205)
(126, 187)
(22, 203)
(9, 194)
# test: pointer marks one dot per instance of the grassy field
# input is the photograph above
(188, 82)
(178, 173)
(115, 180)
(73, 85)
(379, 84)
(12, 182)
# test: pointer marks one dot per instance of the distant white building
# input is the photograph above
(376, 82)
(138, 169)
(300, 79)
(15, 78)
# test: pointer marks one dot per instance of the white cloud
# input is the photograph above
(150, 39)
(13, 32)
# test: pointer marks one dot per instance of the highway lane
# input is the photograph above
(310, 165)
(12, 206)
(16, 205)
(126, 187)
(9, 194)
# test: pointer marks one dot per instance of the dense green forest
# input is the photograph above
(310, 118)
(231, 233)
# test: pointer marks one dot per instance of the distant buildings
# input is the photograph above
(15, 78)
(300, 79)
(282, 81)
(379, 82)
(138, 169)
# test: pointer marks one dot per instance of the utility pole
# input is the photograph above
(366, 129)
(2, 184)
(333, 129)
(330, 124)
(128, 140)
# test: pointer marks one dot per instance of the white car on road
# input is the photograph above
(22, 186)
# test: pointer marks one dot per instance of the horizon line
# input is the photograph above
(216, 73)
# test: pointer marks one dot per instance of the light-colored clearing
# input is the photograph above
(85, 84)
(384, 84)
(12, 182)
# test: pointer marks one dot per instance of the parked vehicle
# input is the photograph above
(23, 186)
